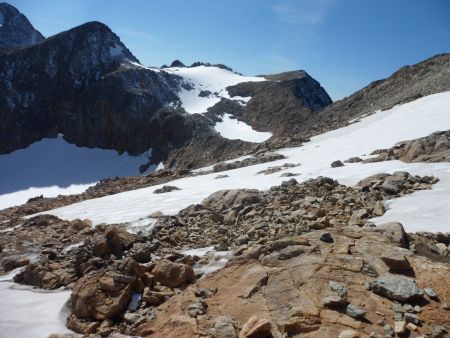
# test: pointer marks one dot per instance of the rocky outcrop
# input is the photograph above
(262, 290)
(15, 29)
(431, 148)
(277, 105)
(231, 218)
(103, 95)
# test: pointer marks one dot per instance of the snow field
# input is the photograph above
(380, 130)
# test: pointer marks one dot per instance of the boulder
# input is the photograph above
(172, 274)
(394, 231)
(224, 327)
(336, 164)
(396, 288)
(396, 260)
(12, 263)
(102, 295)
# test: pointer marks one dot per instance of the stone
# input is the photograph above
(430, 293)
(82, 326)
(412, 318)
(172, 274)
(338, 288)
(390, 188)
(333, 300)
(349, 334)
(353, 160)
(396, 288)
(354, 311)
(224, 327)
(394, 231)
(197, 309)
(412, 327)
(153, 298)
(165, 189)
(336, 164)
(133, 318)
(389, 330)
(438, 331)
(396, 260)
(98, 296)
(220, 176)
(205, 292)
(256, 328)
(326, 237)
(400, 327)
(12, 263)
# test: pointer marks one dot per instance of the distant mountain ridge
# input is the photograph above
(15, 29)
(85, 84)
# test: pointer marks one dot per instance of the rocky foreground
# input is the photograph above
(305, 261)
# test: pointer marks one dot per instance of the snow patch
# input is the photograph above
(234, 129)
(31, 313)
(145, 224)
(203, 78)
(216, 259)
(380, 130)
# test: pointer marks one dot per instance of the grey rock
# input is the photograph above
(396, 288)
(412, 318)
(166, 189)
(336, 164)
(338, 288)
(197, 309)
(430, 292)
(354, 311)
(326, 237)
(353, 160)
(438, 331)
(389, 330)
(224, 327)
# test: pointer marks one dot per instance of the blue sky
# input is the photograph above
(344, 44)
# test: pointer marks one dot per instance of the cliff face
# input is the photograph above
(15, 29)
(85, 84)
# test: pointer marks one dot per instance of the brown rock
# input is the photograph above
(100, 296)
(172, 274)
(82, 326)
(349, 334)
(396, 260)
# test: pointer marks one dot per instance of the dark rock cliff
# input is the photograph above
(15, 29)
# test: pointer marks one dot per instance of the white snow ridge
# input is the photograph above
(207, 79)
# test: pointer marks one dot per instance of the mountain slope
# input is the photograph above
(407, 84)
(15, 29)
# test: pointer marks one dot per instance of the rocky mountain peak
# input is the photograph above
(96, 39)
(15, 29)
(177, 63)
